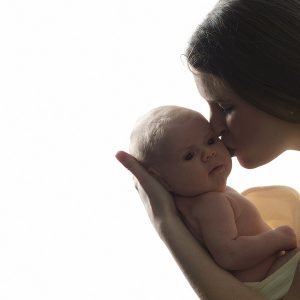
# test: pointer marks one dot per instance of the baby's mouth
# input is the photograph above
(216, 169)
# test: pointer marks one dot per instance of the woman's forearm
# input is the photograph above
(207, 279)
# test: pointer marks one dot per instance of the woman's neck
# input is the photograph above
(295, 137)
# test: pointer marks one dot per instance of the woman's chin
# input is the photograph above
(249, 163)
(252, 162)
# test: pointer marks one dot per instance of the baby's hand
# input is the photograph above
(287, 237)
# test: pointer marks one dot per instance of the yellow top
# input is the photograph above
(278, 205)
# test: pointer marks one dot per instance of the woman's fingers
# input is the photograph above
(142, 176)
(156, 198)
(125, 159)
(129, 162)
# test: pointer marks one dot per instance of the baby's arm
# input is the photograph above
(220, 235)
(193, 260)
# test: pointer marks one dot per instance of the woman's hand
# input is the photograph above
(208, 280)
(157, 200)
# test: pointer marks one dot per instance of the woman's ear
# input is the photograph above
(158, 177)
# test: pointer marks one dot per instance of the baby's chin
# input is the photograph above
(186, 194)
(221, 188)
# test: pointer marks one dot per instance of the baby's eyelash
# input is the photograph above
(211, 141)
(189, 156)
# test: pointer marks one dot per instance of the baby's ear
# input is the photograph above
(158, 177)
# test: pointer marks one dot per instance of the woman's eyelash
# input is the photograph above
(225, 109)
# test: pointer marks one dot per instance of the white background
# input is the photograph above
(74, 76)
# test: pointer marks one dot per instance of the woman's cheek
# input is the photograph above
(231, 121)
(239, 124)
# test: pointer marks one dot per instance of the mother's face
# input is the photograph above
(251, 135)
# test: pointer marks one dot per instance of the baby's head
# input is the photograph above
(178, 147)
(149, 136)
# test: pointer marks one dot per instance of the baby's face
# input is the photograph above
(195, 160)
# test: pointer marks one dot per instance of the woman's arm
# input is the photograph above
(207, 279)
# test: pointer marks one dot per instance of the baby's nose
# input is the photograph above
(208, 154)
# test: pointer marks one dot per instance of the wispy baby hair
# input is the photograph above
(150, 130)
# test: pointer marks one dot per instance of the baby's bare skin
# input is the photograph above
(181, 150)
(281, 260)
(255, 246)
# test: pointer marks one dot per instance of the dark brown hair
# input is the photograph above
(254, 46)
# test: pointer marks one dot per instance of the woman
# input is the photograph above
(245, 58)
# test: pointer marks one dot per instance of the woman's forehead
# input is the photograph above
(211, 87)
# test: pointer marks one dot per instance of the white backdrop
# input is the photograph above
(74, 77)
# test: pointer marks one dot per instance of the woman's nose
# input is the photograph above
(217, 120)
(207, 154)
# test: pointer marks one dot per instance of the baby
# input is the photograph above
(178, 147)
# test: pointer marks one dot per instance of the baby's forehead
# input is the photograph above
(162, 122)
(193, 128)
(192, 119)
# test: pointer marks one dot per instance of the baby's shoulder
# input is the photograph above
(227, 198)
(212, 199)
(211, 206)
(213, 195)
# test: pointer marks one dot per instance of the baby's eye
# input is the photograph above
(211, 141)
(189, 156)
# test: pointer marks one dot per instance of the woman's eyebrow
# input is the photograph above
(219, 100)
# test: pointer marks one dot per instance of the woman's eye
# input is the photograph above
(189, 156)
(225, 109)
